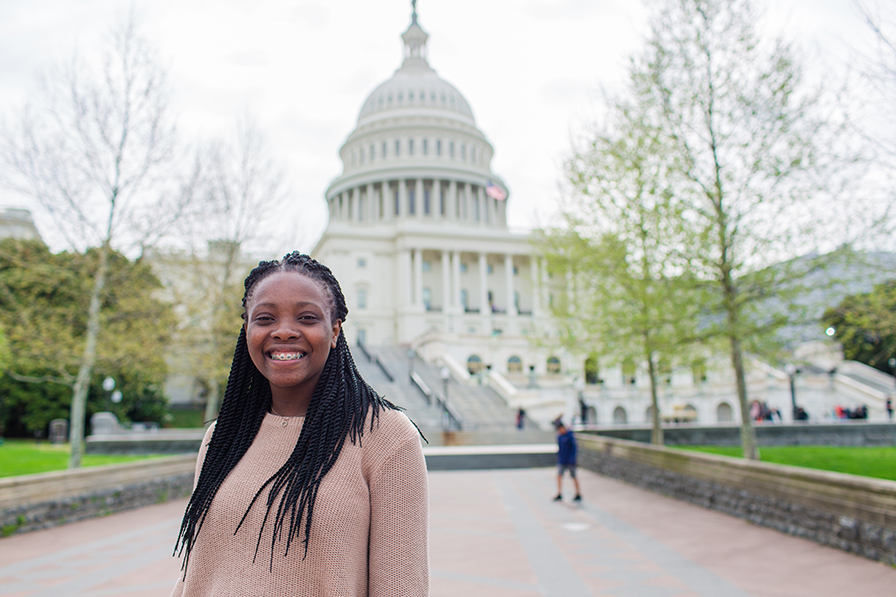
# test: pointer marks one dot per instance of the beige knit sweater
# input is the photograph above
(368, 534)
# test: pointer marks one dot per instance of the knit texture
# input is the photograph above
(368, 535)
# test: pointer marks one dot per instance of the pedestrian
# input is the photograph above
(890, 407)
(520, 419)
(566, 459)
(288, 499)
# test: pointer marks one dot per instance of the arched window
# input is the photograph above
(553, 365)
(724, 413)
(362, 298)
(691, 413)
(620, 417)
(474, 364)
(591, 372)
(514, 365)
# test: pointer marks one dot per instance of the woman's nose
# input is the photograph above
(285, 330)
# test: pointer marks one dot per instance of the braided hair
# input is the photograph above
(338, 410)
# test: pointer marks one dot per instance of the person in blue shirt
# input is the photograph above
(566, 459)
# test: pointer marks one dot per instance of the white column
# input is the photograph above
(419, 193)
(402, 198)
(483, 284)
(451, 201)
(446, 283)
(508, 272)
(418, 278)
(455, 273)
(484, 200)
(535, 273)
(405, 282)
(371, 203)
(354, 204)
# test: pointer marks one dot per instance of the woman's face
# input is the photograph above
(289, 333)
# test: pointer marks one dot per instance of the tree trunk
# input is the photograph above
(747, 433)
(88, 359)
(656, 432)
(213, 403)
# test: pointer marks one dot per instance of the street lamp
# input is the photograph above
(791, 373)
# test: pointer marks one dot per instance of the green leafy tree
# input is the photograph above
(96, 149)
(865, 324)
(631, 296)
(42, 307)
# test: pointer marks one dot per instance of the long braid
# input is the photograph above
(338, 411)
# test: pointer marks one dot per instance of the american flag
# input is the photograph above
(495, 192)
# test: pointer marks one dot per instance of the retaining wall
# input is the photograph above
(852, 513)
(30, 502)
(841, 433)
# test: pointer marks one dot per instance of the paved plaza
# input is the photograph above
(494, 533)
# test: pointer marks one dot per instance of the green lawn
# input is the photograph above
(23, 457)
(867, 462)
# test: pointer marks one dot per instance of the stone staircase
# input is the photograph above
(485, 416)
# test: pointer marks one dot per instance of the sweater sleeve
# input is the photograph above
(398, 559)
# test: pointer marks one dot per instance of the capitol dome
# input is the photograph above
(415, 86)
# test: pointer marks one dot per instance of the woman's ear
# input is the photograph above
(337, 327)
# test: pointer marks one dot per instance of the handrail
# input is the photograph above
(365, 351)
(450, 417)
(382, 367)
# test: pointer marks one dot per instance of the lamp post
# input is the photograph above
(791, 373)
(445, 374)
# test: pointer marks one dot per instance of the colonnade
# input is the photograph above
(420, 198)
(463, 279)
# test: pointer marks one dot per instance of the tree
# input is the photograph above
(240, 185)
(97, 152)
(632, 297)
(865, 324)
(750, 143)
(42, 305)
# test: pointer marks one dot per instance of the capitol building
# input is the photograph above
(418, 232)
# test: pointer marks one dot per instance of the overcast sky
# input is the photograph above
(530, 69)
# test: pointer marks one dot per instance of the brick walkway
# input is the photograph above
(494, 534)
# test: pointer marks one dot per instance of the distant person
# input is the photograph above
(566, 459)
(520, 419)
(890, 407)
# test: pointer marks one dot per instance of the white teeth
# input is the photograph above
(287, 356)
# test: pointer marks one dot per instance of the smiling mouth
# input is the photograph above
(286, 356)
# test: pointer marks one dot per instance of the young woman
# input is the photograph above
(309, 483)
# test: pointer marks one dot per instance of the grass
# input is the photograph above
(186, 418)
(24, 457)
(877, 462)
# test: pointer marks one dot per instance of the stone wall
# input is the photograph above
(841, 433)
(30, 502)
(855, 514)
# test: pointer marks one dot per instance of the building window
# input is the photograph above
(516, 271)
(411, 202)
(451, 149)
(489, 268)
(476, 213)
(441, 201)
(397, 203)
(426, 202)
(362, 298)
(474, 364)
(427, 298)
(426, 265)
(400, 97)
(463, 268)
(472, 155)
(384, 150)
(372, 152)
(425, 147)
(620, 417)
(516, 300)
(397, 148)
(463, 151)
(410, 147)
(362, 336)
(438, 147)
(465, 299)
(362, 263)
(553, 365)
(514, 365)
